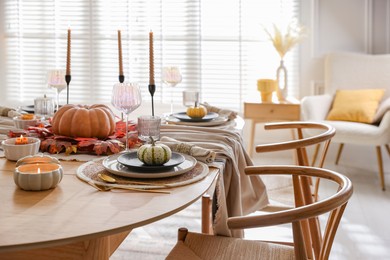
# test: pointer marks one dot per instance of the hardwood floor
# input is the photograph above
(364, 232)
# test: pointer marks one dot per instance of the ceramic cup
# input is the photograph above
(14, 152)
(25, 123)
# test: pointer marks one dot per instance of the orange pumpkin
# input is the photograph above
(84, 121)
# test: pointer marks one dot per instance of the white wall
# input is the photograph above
(2, 47)
(341, 25)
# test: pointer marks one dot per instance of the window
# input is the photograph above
(218, 44)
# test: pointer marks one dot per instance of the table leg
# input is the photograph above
(251, 138)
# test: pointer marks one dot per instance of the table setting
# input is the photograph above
(152, 154)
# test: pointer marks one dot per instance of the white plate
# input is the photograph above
(112, 165)
(217, 121)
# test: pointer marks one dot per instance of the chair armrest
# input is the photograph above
(384, 127)
(382, 109)
(317, 208)
(316, 108)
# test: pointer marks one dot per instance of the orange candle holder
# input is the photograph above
(21, 140)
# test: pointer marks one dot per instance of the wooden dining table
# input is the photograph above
(75, 220)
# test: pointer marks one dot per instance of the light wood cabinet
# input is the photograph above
(269, 112)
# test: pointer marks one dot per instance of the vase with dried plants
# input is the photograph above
(283, 41)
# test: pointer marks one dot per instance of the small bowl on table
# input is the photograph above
(25, 121)
(14, 148)
(38, 172)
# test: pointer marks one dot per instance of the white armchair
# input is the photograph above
(354, 71)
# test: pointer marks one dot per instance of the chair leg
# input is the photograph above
(181, 234)
(317, 149)
(380, 164)
(206, 214)
(387, 148)
(339, 153)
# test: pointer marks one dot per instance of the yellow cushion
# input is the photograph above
(355, 105)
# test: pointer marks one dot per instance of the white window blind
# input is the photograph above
(219, 46)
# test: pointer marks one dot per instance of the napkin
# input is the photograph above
(8, 112)
(200, 153)
(222, 112)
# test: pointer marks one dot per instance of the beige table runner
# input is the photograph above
(237, 194)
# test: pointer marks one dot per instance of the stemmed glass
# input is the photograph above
(171, 76)
(56, 80)
(126, 97)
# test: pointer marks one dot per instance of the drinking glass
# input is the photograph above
(171, 76)
(126, 97)
(149, 126)
(44, 107)
(56, 80)
(190, 97)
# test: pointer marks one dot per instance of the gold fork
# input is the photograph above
(108, 188)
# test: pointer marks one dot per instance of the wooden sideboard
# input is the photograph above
(260, 112)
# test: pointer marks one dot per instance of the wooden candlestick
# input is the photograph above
(67, 75)
(152, 86)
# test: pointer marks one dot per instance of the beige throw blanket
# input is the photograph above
(237, 194)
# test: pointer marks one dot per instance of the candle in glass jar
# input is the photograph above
(21, 140)
(68, 53)
(151, 59)
(120, 53)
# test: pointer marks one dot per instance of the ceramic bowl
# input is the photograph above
(14, 152)
(25, 123)
(38, 172)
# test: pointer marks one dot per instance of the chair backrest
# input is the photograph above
(307, 194)
(345, 70)
(299, 216)
(323, 135)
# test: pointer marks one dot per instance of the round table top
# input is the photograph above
(75, 211)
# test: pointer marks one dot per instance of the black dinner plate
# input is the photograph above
(182, 116)
(132, 162)
(28, 109)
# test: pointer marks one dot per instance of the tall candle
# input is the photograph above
(120, 53)
(151, 59)
(68, 54)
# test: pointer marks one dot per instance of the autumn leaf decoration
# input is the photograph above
(63, 144)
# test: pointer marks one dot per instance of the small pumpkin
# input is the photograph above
(197, 111)
(154, 154)
(84, 121)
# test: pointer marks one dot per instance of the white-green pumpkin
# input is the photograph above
(154, 154)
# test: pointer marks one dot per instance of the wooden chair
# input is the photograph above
(321, 136)
(204, 246)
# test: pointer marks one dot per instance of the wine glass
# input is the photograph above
(126, 97)
(171, 76)
(56, 80)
